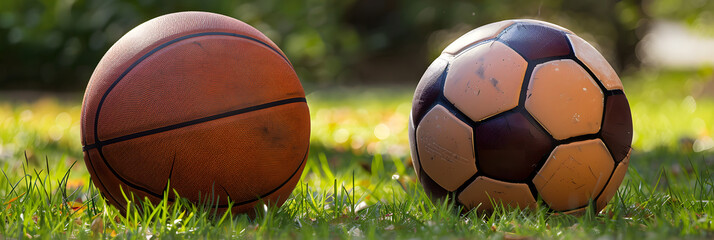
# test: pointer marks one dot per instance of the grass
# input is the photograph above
(359, 183)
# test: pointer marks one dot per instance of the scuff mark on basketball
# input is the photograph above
(275, 135)
(168, 179)
(225, 191)
(198, 43)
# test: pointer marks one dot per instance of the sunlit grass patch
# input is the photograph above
(359, 203)
(362, 120)
(44, 127)
(672, 109)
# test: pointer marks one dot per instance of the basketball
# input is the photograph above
(201, 103)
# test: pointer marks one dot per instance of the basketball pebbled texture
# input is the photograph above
(546, 115)
(200, 100)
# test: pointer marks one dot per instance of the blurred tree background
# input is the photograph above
(55, 44)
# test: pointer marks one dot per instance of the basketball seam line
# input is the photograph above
(162, 46)
(235, 204)
(192, 122)
(106, 190)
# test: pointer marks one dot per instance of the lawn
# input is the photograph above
(359, 182)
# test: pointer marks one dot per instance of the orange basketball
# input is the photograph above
(202, 100)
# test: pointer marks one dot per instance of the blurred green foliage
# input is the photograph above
(55, 44)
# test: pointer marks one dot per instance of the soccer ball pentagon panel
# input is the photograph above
(521, 110)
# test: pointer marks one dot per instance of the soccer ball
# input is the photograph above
(520, 110)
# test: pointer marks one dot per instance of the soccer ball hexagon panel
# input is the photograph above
(564, 99)
(574, 174)
(510, 136)
(485, 80)
(446, 149)
(543, 113)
